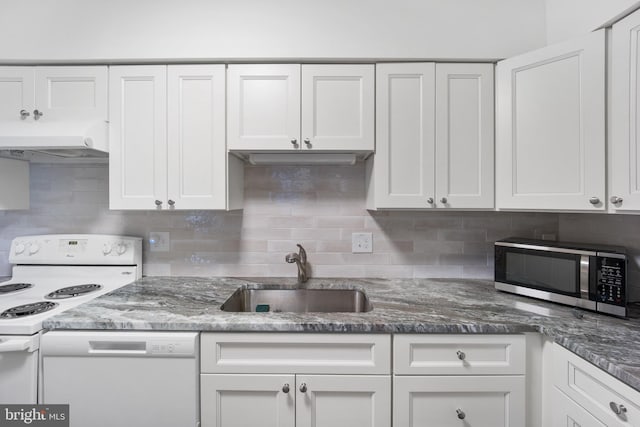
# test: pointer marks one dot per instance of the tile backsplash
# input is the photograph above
(317, 206)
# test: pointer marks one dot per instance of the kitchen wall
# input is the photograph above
(318, 206)
(179, 30)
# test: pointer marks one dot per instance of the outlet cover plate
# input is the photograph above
(159, 241)
(361, 243)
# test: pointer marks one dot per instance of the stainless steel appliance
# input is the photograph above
(53, 273)
(593, 277)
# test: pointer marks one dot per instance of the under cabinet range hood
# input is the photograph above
(56, 140)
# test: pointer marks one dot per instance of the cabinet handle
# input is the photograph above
(594, 200)
(461, 355)
(294, 141)
(303, 387)
(443, 200)
(430, 200)
(285, 388)
(615, 200)
(24, 114)
(158, 203)
(307, 141)
(171, 202)
(617, 409)
(37, 114)
(461, 414)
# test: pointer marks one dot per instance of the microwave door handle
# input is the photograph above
(584, 277)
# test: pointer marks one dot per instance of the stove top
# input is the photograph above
(73, 291)
(28, 309)
(14, 287)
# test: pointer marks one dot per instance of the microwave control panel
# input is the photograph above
(612, 277)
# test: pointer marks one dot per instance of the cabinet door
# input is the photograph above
(263, 107)
(16, 92)
(464, 135)
(138, 137)
(78, 93)
(550, 146)
(196, 134)
(247, 400)
(403, 169)
(478, 401)
(625, 116)
(343, 401)
(567, 413)
(338, 107)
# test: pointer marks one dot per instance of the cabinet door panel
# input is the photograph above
(196, 133)
(343, 401)
(567, 413)
(403, 169)
(551, 127)
(338, 107)
(16, 92)
(464, 135)
(263, 107)
(247, 400)
(489, 401)
(138, 137)
(625, 114)
(78, 93)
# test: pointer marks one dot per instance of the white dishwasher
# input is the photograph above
(141, 379)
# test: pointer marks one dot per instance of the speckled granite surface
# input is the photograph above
(400, 306)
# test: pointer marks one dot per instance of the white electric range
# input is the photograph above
(53, 273)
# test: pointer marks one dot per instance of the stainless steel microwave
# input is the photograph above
(593, 277)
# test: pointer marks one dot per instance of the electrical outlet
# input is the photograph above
(159, 241)
(361, 243)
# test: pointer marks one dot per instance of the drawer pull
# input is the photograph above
(285, 388)
(617, 409)
(461, 414)
(303, 387)
(461, 355)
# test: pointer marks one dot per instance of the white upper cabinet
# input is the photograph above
(434, 133)
(167, 146)
(53, 93)
(293, 107)
(624, 116)
(263, 104)
(550, 152)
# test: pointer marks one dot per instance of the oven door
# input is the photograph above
(553, 274)
(19, 369)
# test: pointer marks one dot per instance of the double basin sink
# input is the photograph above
(297, 300)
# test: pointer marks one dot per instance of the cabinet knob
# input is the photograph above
(430, 200)
(24, 114)
(615, 200)
(171, 202)
(303, 387)
(617, 409)
(461, 414)
(294, 141)
(461, 355)
(285, 388)
(37, 114)
(594, 200)
(307, 141)
(158, 203)
(443, 200)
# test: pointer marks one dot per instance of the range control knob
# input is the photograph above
(19, 248)
(34, 248)
(121, 248)
(106, 249)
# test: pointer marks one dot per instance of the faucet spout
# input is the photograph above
(300, 259)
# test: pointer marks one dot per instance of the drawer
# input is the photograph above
(595, 390)
(565, 412)
(477, 354)
(295, 353)
(450, 401)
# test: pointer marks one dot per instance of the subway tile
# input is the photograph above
(340, 222)
(463, 259)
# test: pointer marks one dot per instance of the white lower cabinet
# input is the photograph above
(443, 401)
(567, 413)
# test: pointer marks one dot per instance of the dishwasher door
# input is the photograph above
(141, 379)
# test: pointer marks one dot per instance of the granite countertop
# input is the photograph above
(399, 306)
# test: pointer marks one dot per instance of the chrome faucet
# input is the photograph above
(300, 259)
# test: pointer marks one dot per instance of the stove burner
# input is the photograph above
(14, 287)
(73, 291)
(28, 309)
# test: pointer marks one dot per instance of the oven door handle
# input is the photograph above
(15, 344)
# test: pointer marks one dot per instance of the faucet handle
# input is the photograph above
(303, 254)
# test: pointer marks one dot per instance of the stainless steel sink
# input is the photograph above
(298, 301)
